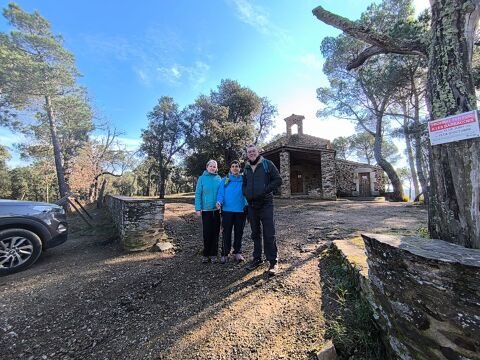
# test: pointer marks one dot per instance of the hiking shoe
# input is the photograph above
(273, 269)
(224, 259)
(239, 258)
(255, 263)
(205, 259)
(213, 259)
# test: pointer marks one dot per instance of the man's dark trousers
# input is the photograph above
(211, 232)
(262, 217)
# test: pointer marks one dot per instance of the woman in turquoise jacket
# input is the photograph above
(205, 199)
(232, 202)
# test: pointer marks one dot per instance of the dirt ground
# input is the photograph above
(88, 300)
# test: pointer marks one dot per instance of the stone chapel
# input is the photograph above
(308, 167)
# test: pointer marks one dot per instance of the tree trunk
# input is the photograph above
(454, 206)
(392, 176)
(146, 191)
(385, 165)
(417, 136)
(95, 189)
(132, 186)
(410, 190)
(411, 161)
(90, 193)
(62, 185)
(101, 195)
(161, 182)
(419, 163)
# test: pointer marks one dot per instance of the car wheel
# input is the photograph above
(19, 248)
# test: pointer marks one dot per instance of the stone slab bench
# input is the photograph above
(425, 294)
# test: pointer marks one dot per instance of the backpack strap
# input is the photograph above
(266, 168)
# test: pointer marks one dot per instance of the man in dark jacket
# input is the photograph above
(260, 179)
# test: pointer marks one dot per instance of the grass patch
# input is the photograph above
(349, 318)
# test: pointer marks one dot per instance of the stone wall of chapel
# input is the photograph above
(346, 181)
(345, 178)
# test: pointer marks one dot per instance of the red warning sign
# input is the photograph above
(454, 128)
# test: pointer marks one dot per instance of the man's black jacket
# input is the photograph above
(260, 181)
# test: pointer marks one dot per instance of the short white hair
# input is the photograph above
(211, 161)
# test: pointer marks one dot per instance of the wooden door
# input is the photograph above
(364, 182)
(296, 182)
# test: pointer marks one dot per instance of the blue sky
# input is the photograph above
(131, 53)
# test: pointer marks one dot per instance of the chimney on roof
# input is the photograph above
(294, 120)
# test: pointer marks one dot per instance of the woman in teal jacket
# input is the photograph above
(205, 199)
(232, 202)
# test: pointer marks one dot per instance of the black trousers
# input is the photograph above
(211, 231)
(262, 219)
(236, 221)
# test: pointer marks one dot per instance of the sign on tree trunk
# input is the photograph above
(454, 128)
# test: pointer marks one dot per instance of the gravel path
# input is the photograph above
(88, 300)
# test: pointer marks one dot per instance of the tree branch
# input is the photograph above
(380, 43)
(364, 56)
(107, 173)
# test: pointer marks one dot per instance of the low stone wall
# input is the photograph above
(425, 295)
(139, 221)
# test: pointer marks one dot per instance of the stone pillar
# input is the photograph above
(329, 186)
(285, 190)
(139, 222)
(373, 184)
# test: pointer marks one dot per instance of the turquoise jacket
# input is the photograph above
(230, 195)
(206, 191)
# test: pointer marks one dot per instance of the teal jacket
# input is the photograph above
(230, 196)
(206, 191)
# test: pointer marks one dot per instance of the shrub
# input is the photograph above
(349, 321)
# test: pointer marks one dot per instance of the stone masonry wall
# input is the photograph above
(345, 178)
(329, 186)
(285, 173)
(139, 221)
(380, 177)
(425, 295)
